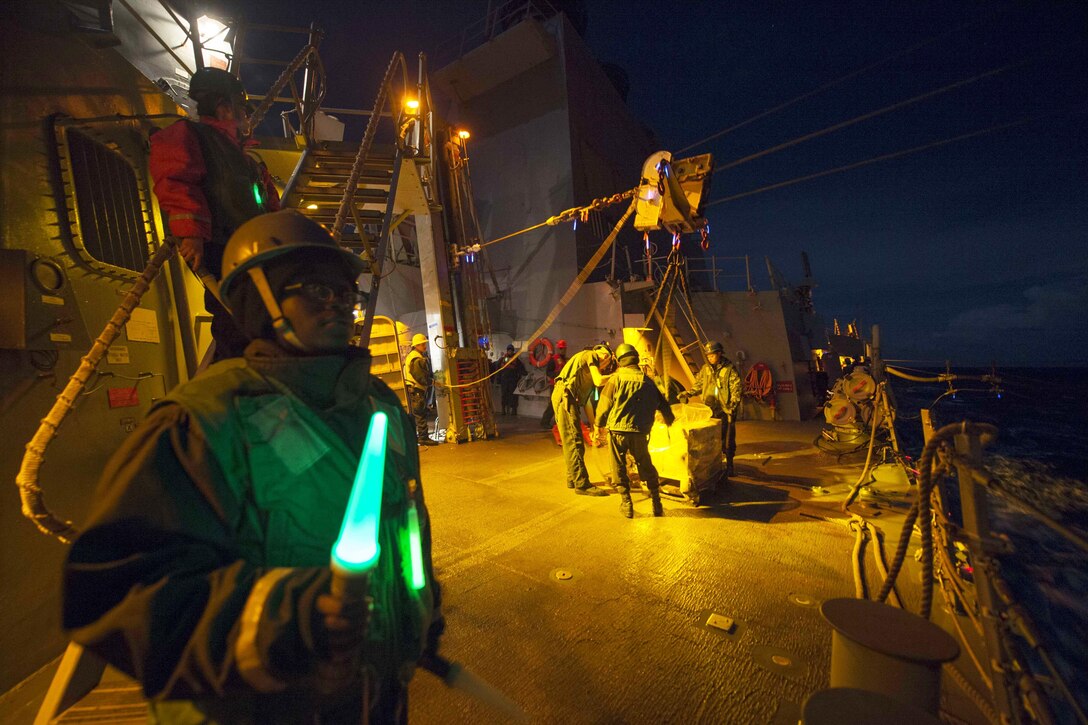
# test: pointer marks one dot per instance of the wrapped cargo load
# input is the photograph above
(689, 451)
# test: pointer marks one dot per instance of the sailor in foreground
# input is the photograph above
(584, 371)
(626, 408)
(203, 571)
(419, 378)
(718, 386)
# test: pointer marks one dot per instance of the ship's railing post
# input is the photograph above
(976, 522)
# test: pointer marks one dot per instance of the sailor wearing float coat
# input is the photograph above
(204, 569)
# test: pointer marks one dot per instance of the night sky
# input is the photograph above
(973, 251)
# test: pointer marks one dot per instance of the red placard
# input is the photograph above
(123, 397)
(784, 386)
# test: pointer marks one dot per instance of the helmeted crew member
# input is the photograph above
(555, 363)
(418, 377)
(203, 571)
(718, 384)
(509, 376)
(208, 186)
(574, 385)
(627, 406)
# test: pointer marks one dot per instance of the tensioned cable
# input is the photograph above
(825, 87)
(884, 157)
(874, 114)
(569, 215)
(567, 296)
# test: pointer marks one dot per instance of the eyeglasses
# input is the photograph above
(326, 295)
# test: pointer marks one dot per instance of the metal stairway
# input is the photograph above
(318, 185)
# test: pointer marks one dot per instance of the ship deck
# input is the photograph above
(580, 615)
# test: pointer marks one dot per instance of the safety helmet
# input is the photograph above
(510, 348)
(713, 347)
(561, 345)
(625, 351)
(419, 339)
(276, 234)
(211, 82)
(604, 347)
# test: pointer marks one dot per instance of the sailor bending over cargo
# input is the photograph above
(627, 406)
(718, 386)
(204, 572)
(207, 185)
(585, 371)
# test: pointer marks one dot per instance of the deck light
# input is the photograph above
(311, 206)
(356, 549)
(464, 135)
(412, 105)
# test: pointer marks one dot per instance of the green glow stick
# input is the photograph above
(257, 194)
(356, 549)
(415, 543)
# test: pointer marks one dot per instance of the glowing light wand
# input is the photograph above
(356, 550)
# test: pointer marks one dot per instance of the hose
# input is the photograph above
(877, 412)
(857, 525)
(33, 504)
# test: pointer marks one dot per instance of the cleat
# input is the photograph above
(590, 491)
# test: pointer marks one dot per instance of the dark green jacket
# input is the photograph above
(628, 402)
(211, 535)
(576, 377)
(719, 387)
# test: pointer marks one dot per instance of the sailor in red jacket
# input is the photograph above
(208, 185)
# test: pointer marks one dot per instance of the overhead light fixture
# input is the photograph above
(463, 135)
(412, 105)
(216, 39)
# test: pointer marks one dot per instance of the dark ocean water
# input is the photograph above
(1042, 413)
(1041, 456)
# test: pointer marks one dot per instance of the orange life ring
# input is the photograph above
(758, 383)
(549, 349)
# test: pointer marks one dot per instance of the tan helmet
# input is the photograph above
(270, 236)
(419, 339)
(273, 235)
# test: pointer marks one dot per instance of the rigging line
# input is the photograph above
(879, 112)
(885, 157)
(827, 86)
(572, 290)
(570, 214)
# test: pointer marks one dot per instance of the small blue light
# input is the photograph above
(575, 225)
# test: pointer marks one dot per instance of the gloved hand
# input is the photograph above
(344, 623)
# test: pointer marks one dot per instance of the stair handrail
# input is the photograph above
(314, 85)
(368, 139)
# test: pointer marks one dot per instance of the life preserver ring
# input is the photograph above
(759, 384)
(549, 349)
